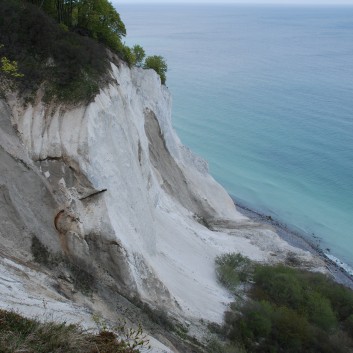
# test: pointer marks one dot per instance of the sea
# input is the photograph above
(265, 95)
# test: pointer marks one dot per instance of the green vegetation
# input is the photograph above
(158, 64)
(60, 45)
(70, 66)
(19, 334)
(139, 53)
(286, 310)
(9, 67)
(233, 269)
(93, 18)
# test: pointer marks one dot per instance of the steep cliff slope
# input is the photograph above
(110, 187)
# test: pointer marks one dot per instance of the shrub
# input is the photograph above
(340, 297)
(158, 64)
(128, 55)
(288, 310)
(320, 311)
(280, 284)
(139, 54)
(232, 269)
(255, 321)
(290, 331)
(9, 67)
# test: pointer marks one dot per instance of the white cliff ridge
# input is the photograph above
(110, 185)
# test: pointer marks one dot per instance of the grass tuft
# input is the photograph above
(19, 334)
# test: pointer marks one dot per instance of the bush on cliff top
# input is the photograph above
(287, 310)
(158, 64)
(62, 45)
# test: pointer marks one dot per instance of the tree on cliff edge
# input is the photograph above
(97, 19)
(158, 64)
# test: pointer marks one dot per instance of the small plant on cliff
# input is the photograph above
(132, 338)
(9, 67)
(158, 64)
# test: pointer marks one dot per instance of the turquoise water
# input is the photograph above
(265, 94)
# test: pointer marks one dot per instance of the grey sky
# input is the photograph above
(283, 2)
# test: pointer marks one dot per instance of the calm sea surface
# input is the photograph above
(265, 94)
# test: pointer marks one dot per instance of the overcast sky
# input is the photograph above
(283, 2)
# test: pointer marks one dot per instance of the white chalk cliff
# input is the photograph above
(110, 184)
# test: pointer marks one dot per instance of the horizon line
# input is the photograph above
(312, 4)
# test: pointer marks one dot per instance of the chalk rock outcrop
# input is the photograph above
(110, 185)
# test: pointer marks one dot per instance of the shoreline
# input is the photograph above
(299, 240)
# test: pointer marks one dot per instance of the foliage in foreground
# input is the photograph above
(287, 310)
(19, 334)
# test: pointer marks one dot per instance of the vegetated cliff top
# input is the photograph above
(62, 44)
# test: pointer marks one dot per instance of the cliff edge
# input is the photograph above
(110, 187)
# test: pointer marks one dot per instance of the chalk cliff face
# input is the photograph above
(110, 185)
